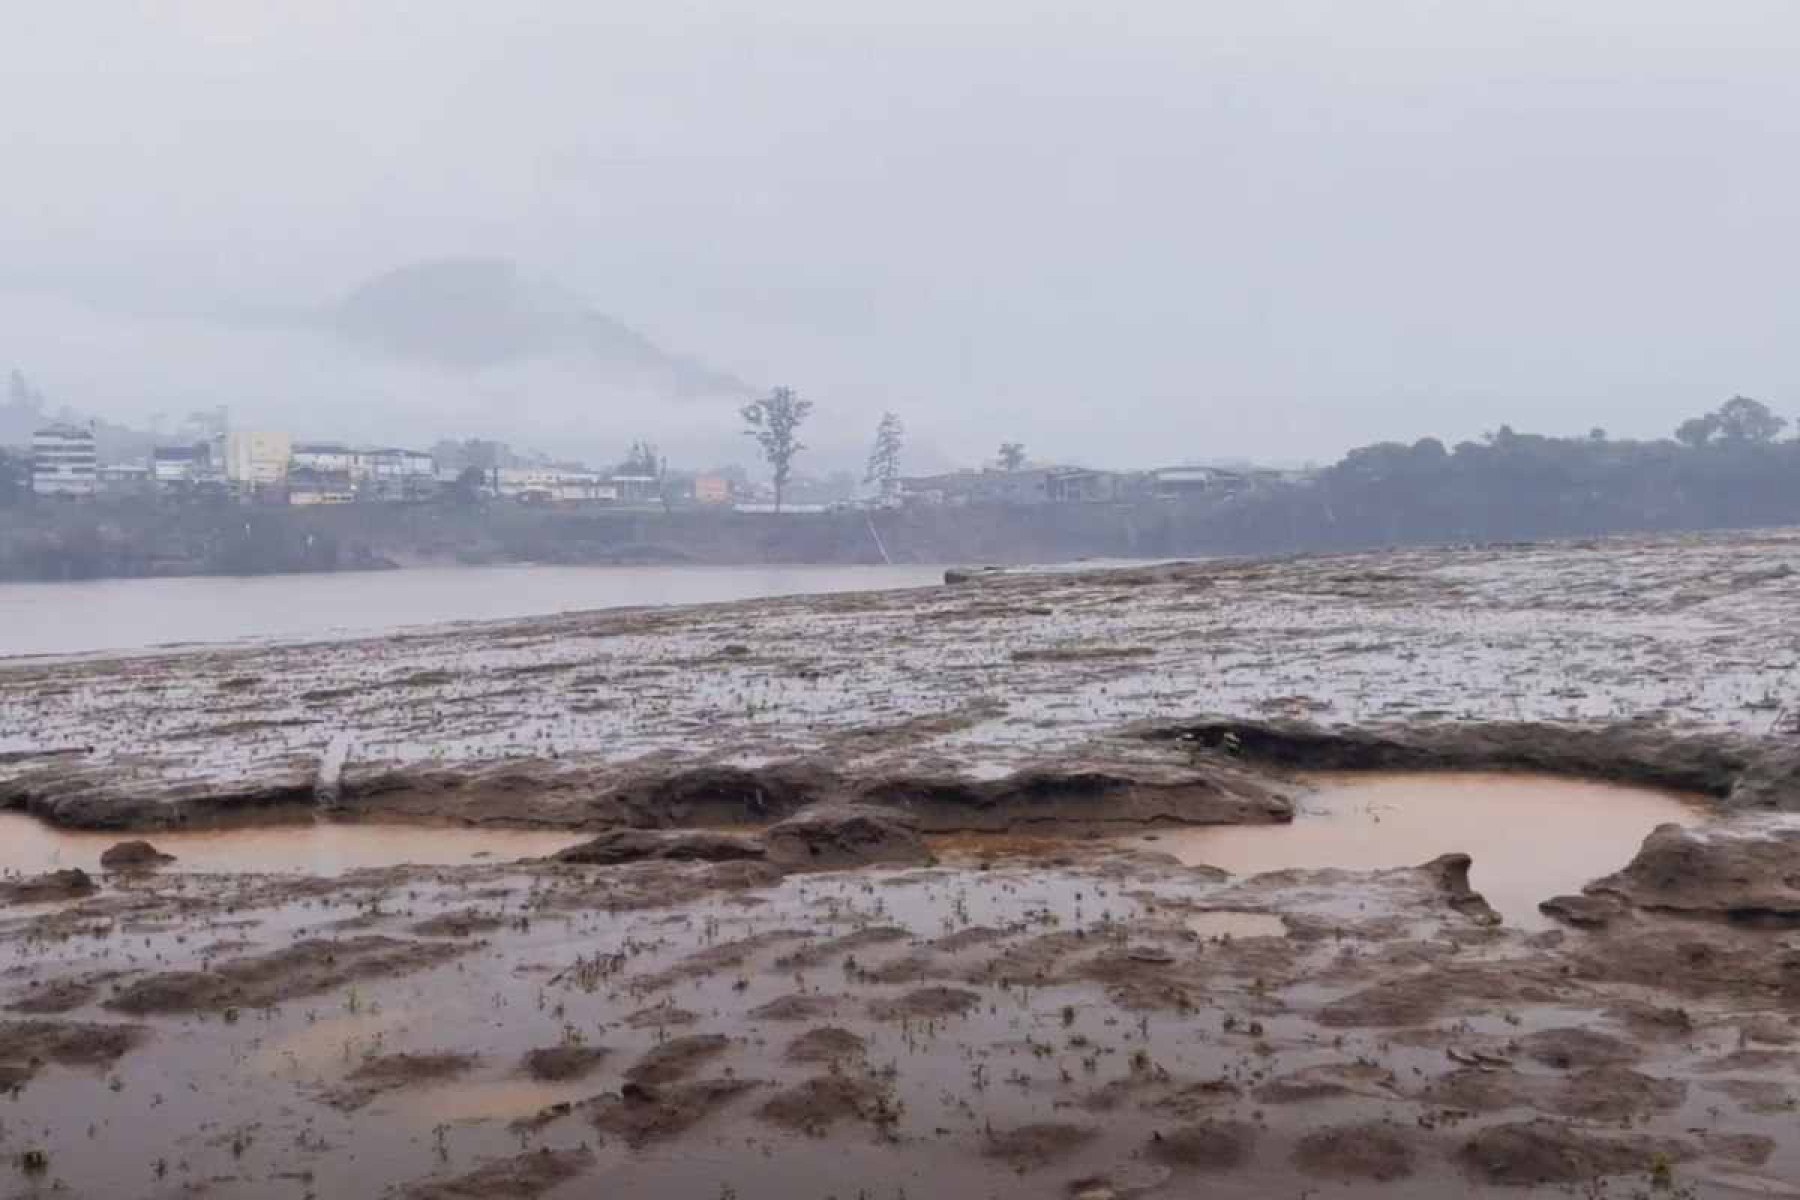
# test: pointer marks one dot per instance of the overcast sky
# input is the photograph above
(1134, 233)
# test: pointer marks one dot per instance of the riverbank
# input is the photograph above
(905, 891)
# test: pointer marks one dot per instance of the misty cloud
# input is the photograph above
(1272, 229)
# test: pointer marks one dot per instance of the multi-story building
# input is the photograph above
(64, 462)
(257, 459)
(174, 466)
(329, 457)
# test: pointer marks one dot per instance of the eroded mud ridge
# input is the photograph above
(1664, 661)
(998, 1023)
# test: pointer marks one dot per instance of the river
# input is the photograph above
(136, 614)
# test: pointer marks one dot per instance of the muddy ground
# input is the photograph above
(842, 929)
(1019, 1018)
(978, 697)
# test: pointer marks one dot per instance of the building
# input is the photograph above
(712, 489)
(329, 457)
(546, 485)
(307, 486)
(175, 466)
(257, 459)
(1029, 485)
(637, 489)
(391, 473)
(125, 478)
(64, 461)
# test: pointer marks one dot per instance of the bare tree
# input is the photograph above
(641, 459)
(884, 458)
(774, 421)
(1012, 455)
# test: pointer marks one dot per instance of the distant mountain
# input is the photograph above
(475, 314)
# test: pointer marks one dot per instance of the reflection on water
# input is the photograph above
(28, 846)
(130, 614)
(1532, 837)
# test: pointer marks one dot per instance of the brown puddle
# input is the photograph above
(1531, 836)
(28, 846)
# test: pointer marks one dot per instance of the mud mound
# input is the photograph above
(1205, 1146)
(658, 1016)
(304, 969)
(1030, 1147)
(71, 884)
(1615, 1094)
(677, 1058)
(643, 1114)
(794, 1007)
(832, 949)
(59, 995)
(1349, 1153)
(1625, 752)
(1329, 1081)
(558, 1064)
(718, 795)
(1533, 1153)
(1746, 876)
(928, 1003)
(816, 1105)
(393, 1072)
(638, 845)
(522, 1177)
(134, 856)
(717, 958)
(1080, 793)
(835, 836)
(1570, 1048)
(826, 1044)
(467, 923)
(25, 1045)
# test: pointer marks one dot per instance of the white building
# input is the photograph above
(327, 457)
(257, 459)
(64, 462)
(552, 484)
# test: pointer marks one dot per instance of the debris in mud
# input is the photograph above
(1328, 1081)
(642, 1113)
(306, 968)
(134, 856)
(522, 1177)
(559, 1064)
(70, 884)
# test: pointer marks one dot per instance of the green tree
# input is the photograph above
(15, 477)
(774, 421)
(884, 457)
(1742, 419)
(1012, 455)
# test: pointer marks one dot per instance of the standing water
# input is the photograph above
(1531, 836)
(28, 847)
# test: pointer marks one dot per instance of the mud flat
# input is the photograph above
(1666, 662)
(1001, 1022)
(854, 895)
